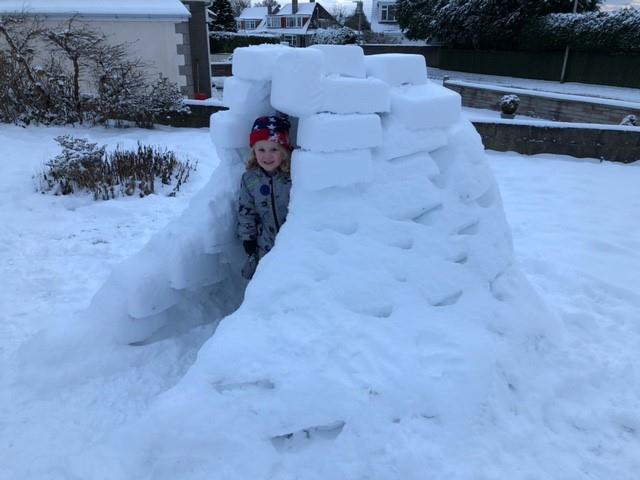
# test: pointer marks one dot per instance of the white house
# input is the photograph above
(383, 18)
(296, 23)
(160, 32)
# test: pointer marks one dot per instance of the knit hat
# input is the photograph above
(275, 129)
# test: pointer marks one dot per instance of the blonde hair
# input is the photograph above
(285, 166)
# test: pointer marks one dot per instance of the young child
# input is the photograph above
(264, 189)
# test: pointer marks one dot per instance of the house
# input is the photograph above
(383, 18)
(168, 35)
(296, 23)
(252, 19)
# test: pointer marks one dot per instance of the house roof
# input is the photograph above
(254, 13)
(303, 9)
(140, 9)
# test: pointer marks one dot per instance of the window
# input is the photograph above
(294, 22)
(387, 13)
(273, 22)
(249, 24)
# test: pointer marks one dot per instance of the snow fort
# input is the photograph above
(388, 335)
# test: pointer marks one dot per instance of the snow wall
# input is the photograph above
(388, 335)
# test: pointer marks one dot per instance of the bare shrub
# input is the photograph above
(49, 91)
(84, 167)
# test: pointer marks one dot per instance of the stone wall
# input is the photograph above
(198, 118)
(616, 145)
(544, 106)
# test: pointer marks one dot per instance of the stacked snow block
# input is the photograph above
(326, 87)
(246, 94)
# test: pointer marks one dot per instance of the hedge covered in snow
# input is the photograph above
(335, 36)
(521, 24)
(227, 42)
(617, 31)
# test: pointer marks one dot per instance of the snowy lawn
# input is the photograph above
(574, 224)
(57, 251)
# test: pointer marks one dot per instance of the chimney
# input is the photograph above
(294, 7)
(269, 9)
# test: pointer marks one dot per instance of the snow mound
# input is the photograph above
(386, 334)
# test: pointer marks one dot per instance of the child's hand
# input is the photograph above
(250, 246)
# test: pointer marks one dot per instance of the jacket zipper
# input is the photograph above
(273, 205)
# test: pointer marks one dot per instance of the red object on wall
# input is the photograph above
(200, 96)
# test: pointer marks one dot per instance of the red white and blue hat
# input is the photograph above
(272, 128)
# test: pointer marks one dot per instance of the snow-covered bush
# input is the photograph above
(222, 17)
(227, 42)
(84, 167)
(630, 120)
(49, 91)
(617, 31)
(509, 104)
(335, 36)
(477, 23)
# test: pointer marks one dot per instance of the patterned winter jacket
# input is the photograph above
(263, 207)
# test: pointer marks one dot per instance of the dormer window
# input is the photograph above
(295, 22)
(273, 22)
(249, 24)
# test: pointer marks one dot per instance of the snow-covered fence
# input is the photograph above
(585, 67)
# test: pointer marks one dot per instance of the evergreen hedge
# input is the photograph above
(226, 42)
(613, 32)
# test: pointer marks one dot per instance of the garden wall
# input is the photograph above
(614, 144)
(549, 106)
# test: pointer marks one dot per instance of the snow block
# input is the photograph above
(229, 129)
(347, 60)
(420, 165)
(467, 138)
(398, 140)
(296, 88)
(425, 106)
(397, 69)
(315, 171)
(256, 62)
(355, 95)
(327, 132)
(247, 96)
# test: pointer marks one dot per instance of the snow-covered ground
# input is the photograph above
(55, 253)
(575, 234)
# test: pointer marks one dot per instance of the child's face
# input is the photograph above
(269, 155)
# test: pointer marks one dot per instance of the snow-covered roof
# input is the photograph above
(254, 13)
(303, 9)
(151, 9)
